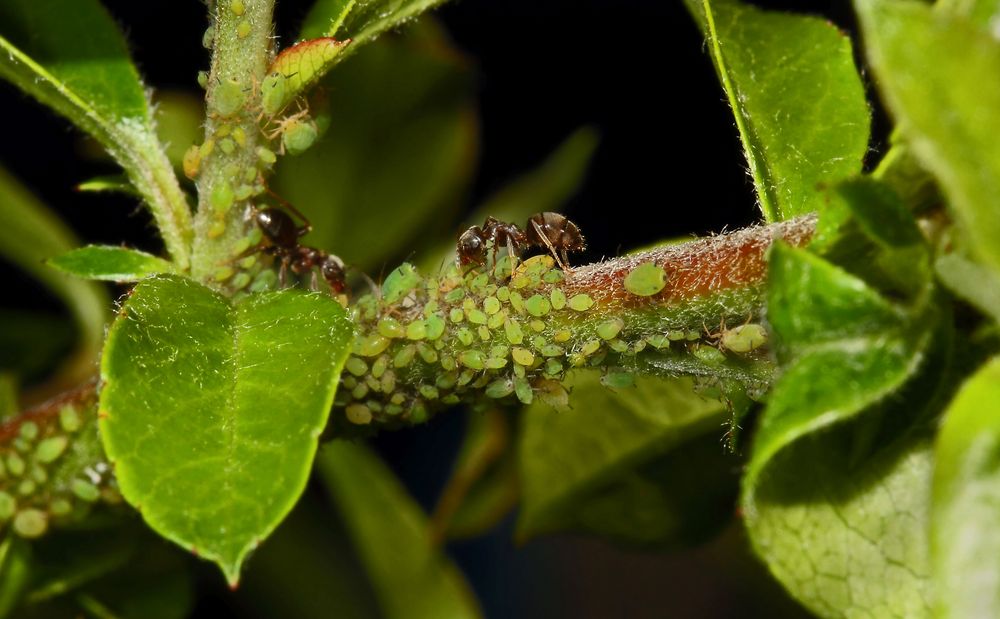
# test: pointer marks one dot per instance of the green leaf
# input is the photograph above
(934, 71)
(211, 412)
(965, 524)
(975, 283)
(15, 572)
(410, 575)
(361, 21)
(836, 492)
(642, 465)
(109, 263)
(31, 234)
(545, 188)
(398, 156)
(69, 55)
(797, 98)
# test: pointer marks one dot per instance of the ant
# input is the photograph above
(283, 234)
(555, 232)
(472, 243)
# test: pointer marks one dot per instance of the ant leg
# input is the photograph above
(313, 281)
(283, 273)
(548, 244)
(288, 205)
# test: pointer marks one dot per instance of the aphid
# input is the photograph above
(282, 235)
(555, 233)
(742, 339)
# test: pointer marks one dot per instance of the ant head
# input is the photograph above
(472, 246)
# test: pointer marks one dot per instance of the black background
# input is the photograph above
(669, 164)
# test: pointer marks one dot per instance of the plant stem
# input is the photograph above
(229, 161)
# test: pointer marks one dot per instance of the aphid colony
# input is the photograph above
(40, 484)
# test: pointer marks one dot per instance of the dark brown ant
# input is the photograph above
(283, 234)
(473, 242)
(556, 233)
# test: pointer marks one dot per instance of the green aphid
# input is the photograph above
(435, 326)
(84, 490)
(693, 335)
(562, 335)
(538, 342)
(38, 474)
(358, 414)
(241, 281)
(499, 351)
(21, 444)
(708, 354)
(610, 329)
(430, 308)
(400, 282)
(553, 277)
(31, 523)
(517, 301)
(590, 348)
(466, 377)
(553, 367)
(484, 333)
(744, 338)
(393, 409)
(552, 350)
(523, 390)
(228, 147)
(447, 381)
(374, 406)
(449, 399)
(50, 449)
(522, 356)
(373, 383)
(537, 326)
(208, 37)
(496, 363)
(222, 197)
(577, 360)
(356, 366)
(476, 317)
(265, 155)
(397, 398)
(273, 93)
(29, 430)
(537, 305)
(646, 280)
(388, 381)
(448, 363)
(237, 7)
(360, 391)
(472, 359)
(427, 353)
(519, 371)
(27, 487)
(419, 413)
(503, 294)
(60, 507)
(404, 356)
(676, 336)
(638, 347)
(15, 465)
(618, 380)
(520, 282)
(497, 320)
(454, 296)
(513, 331)
(581, 302)
(558, 298)
(244, 192)
(465, 336)
(416, 330)
(202, 79)
(491, 305)
(429, 392)
(503, 268)
(69, 419)
(658, 341)
(618, 345)
(456, 315)
(349, 382)
(480, 282)
(8, 505)
(380, 366)
(500, 388)
(243, 29)
(297, 136)
(227, 98)
(371, 345)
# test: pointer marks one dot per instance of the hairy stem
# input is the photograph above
(228, 164)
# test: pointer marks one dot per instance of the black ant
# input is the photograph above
(472, 243)
(283, 234)
(547, 230)
(554, 232)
